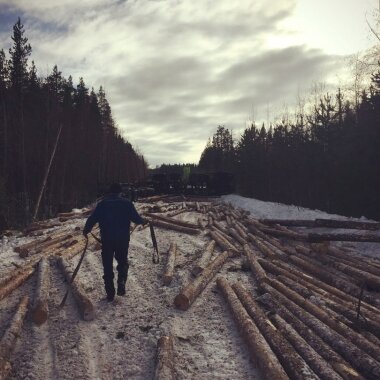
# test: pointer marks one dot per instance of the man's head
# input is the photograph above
(115, 188)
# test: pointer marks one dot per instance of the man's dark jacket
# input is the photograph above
(114, 215)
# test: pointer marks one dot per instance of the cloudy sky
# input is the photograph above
(174, 70)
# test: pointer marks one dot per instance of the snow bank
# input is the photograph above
(271, 210)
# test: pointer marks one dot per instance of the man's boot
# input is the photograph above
(110, 290)
(121, 287)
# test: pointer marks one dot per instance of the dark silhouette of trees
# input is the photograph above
(327, 159)
(90, 151)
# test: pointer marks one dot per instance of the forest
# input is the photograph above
(328, 158)
(38, 114)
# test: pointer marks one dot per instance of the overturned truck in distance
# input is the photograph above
(217, 183)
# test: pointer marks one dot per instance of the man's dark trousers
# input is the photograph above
(119, 249)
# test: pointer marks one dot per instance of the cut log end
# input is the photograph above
(40, 314)
(182, 302)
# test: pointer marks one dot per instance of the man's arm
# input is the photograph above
(134, 215)
(91, 221)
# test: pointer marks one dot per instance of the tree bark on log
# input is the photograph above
(293, 363)
(280, 268)
(360, 360)
(24, 249)
(172, 220)
(335, 281)
(332, 357)
(288, 222)
(317, 237)
(175, 227)
(261, 354)
(205, 259)
(327, 319)
(165, 367)
(284, 234)
(348, 224)
(223, 243)
(225, 236)
(8, 340)
(40, 308)
(322, 369)
(192, 290)
(335, 311)
(256, 268)
(14, 280)
(85, 306)
(237, 237)
(170, 264)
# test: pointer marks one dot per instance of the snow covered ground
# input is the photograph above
(121, 342)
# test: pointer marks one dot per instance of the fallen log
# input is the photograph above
(288, 222)
(347, 224)
(318, 237)
(200, 224)
(335, 310)
(279, 268)
(261, 354)
(172, 221)
(165, 367)
(359, 359)
(294, 365)
(256, 268)
(223, 243)
(334, 280)
(39, 226)
(24, 249)
(192, 290)
(236, 236)
(223, 235)
(169, 271)
(14, 280)
(323, 349)
(8, 340)
(327, 319)
(85, 306)
(40, 309)
(175, 227)
(322, 369)
(204, 260)
(285, 234)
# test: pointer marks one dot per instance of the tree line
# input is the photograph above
(37, 114)
(328, 158)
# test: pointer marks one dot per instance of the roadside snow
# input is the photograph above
(270, 210)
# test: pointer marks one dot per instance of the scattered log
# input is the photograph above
(317, 237)
(40, 308)
(39, 226)
(332, 357)
(204, 260)
(347, 224)
(8, 340)
(223, 243)
(14, 280)
(327, 319)
(175, 213)
(256, 268)
(223, 235)
(165, 368)
(334, 280)
(192, 290)
(71, 251)
(237, 237)
(169, 271)
(175, 227)
(24, 249)
(288, 222)
(280, 268)
(200, 224)
(284, 234)
(294, 365)
(322, 369)
(85, 306)
(171, 220)
(261, 354)
(360, 360)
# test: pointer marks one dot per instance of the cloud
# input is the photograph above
(173, 70)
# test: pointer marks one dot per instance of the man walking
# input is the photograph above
(114, 215)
